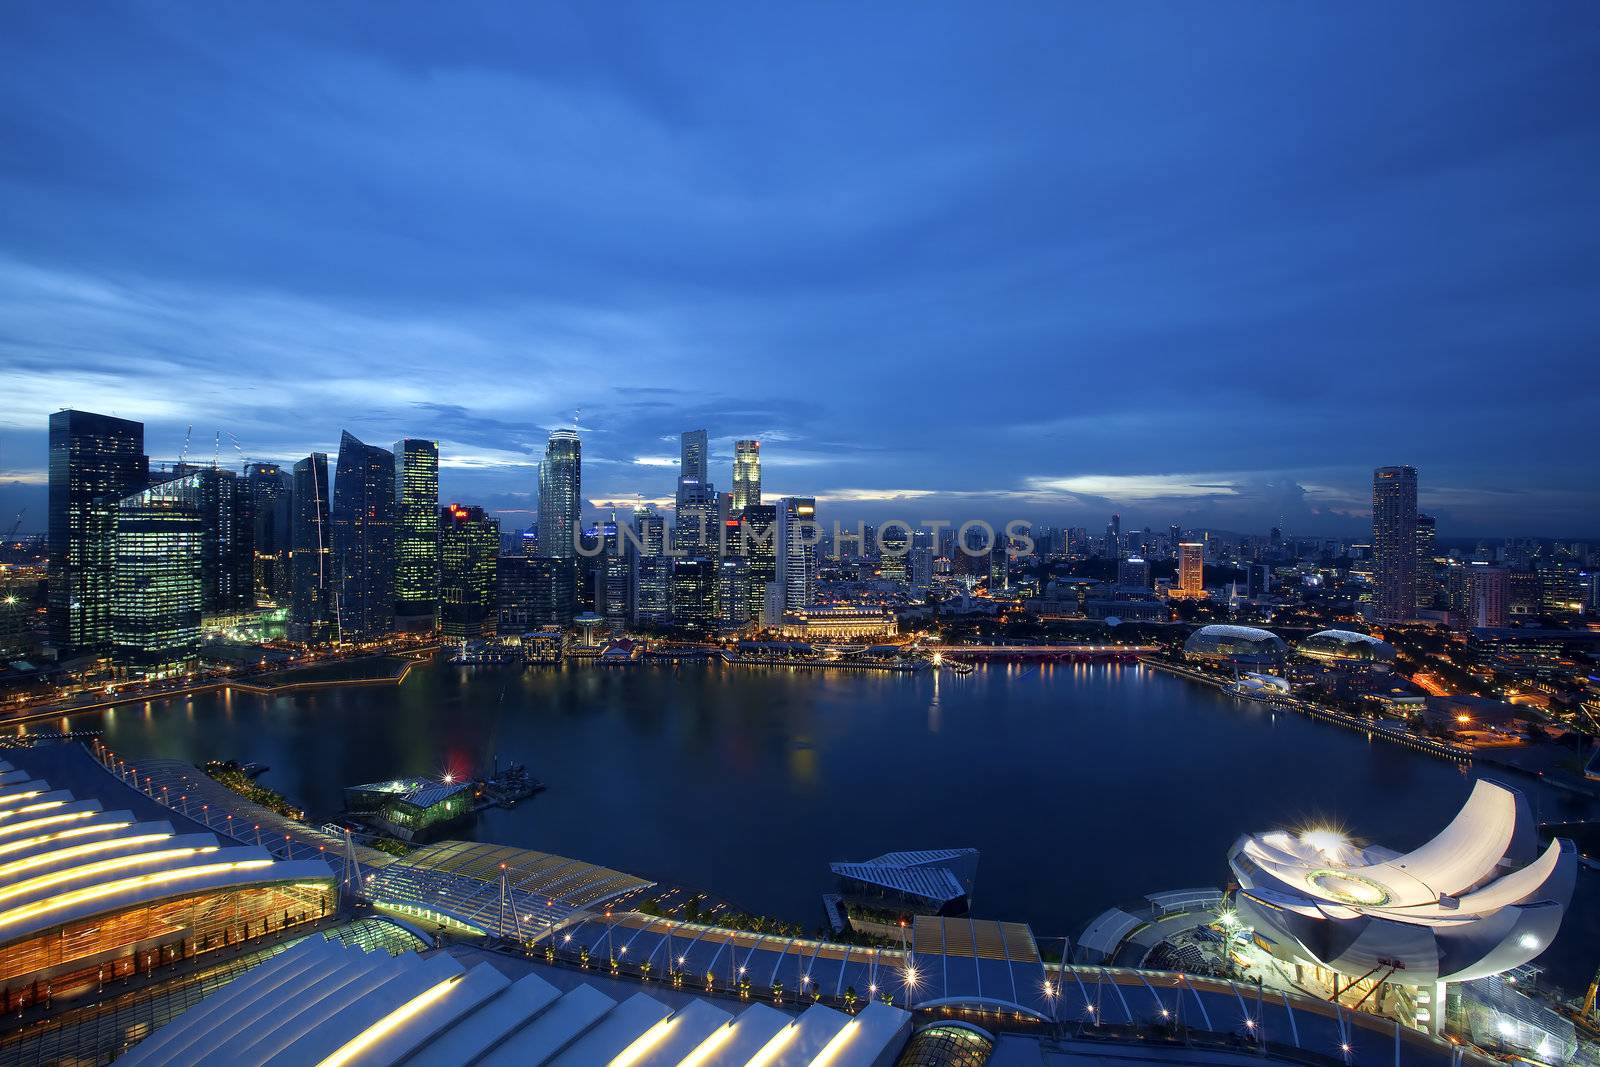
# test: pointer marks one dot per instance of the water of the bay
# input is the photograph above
(1082, 786)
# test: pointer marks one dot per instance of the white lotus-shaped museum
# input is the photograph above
(1476, 900)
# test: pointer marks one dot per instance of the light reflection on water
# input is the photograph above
(1082, 785)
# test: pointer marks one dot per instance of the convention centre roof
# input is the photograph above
(462, 881)
(322, 1003)
(64, 859)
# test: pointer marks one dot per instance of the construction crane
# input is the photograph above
(1586, 1015)
(18, 525)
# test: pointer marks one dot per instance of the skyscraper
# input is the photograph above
(746, 475)
(157, 586)
(469, 551)
(1490, 596)
(692, 461)
(758, 543)
(270, 517)
(311, 552)
(560, 495)
(363, 540)
(417, 530)
(652, 578)
(95, 461)
(694, 531)
(1191, 570)
(227, 551)
(797, 552)
(1427, 576)
(1394, 542)
(694, 591)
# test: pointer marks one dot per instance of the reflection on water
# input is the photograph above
(1082, 785)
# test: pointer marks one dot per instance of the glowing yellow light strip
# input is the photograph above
(773, 1046)
(79, 896)
(73, 851)
(89, 870)
(715, 1040)
(43, 805)
(837, 1042)
(389, 1023)
(14, 797)
(643, 1043)
(48, 820)
(74, 831)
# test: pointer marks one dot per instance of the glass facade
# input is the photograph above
(158, 576)
(469, 547)
(746, 475)
(417, 518)
(102, 948)
(1394, 542)
(758, 532)
(363, 540)
(227, 548)
(95, 461)
(560, 503)
(270, 498)
(311, 562)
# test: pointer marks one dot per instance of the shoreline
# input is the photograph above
(213, 685)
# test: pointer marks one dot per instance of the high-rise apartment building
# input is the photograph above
(1191, 570)
(1491, 596)
(1428, 588)
(746, 476)
(95, 462)
(469, 550)
(417, 532)
(158, 578)
(363, 540)
(1394, 542)
(311, 552)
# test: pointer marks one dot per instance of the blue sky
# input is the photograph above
(1196, 263)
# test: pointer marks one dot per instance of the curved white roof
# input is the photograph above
(1457, 907)
(63, 859)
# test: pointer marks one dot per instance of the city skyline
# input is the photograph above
(1003, 292)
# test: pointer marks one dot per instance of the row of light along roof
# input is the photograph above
(328, 1005)
(63, 859)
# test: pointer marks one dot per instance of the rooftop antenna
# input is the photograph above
(216, 451)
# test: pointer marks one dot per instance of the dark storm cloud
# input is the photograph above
(1199, 264)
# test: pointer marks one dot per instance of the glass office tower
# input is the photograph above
(311, 546)
(363, 540)
(416, 539)
(469, 547)
(158, 587)
(95, 462)
(560, 504)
